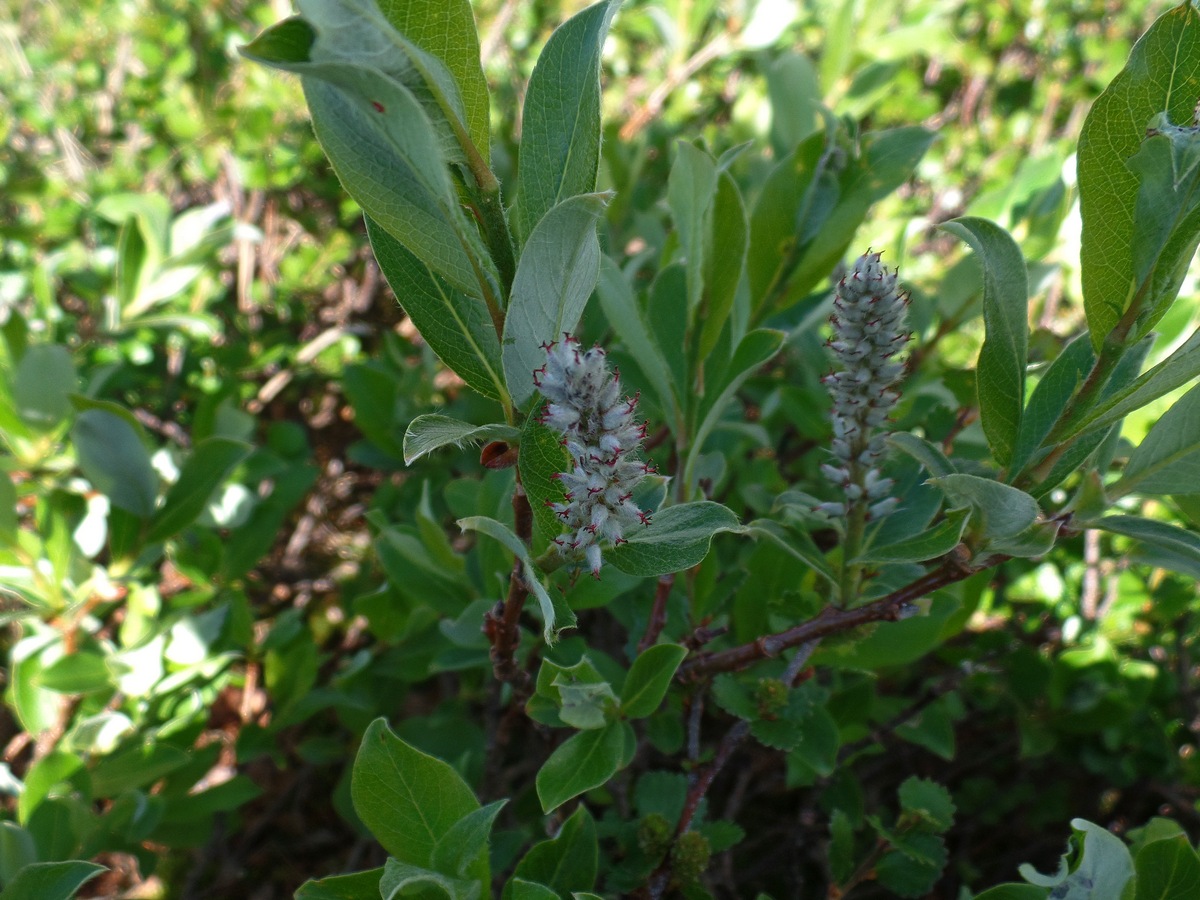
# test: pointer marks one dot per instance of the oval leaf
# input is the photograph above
(677, 538)
(408, 800)
(584, 761)
(648, 679)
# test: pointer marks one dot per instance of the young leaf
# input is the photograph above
(456, 326)
(567, 862)
(408, 800)
(1003, 511)
(649, 678)
(462, 852)
(1164, 57)
(202, 473)
(446, 29)
(726, 243)
(555, 277)
(400, 878)
(560, 131)
(556, 617)
(115, 461)
(1168, 459)
(584, 761)
(431, 432)
(389, 117)
(50, 880)
(677, 538)
(1000, 375)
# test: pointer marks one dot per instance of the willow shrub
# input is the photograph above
(871, 550)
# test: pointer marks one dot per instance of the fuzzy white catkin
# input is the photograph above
(869, 330)
(597, 426)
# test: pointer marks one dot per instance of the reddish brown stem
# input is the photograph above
(658, 612)
(502, 623)
(830, 620)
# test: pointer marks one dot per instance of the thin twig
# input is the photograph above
(658, 612)
(831, 620)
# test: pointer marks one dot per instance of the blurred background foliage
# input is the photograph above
(184, 285)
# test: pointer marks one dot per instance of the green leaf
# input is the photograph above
(1167, 869)
(288, 41)
(1175, 371)
(929, 544)
(924, 452)
(555, 277)
(17, 850)
(560, 130)
(462, 852)
(359, 886)
(913, 874)
(621, 308)
(1100, 870)
(8, 508)
(408, 800)
(1000, 374)
(648, 679)
(584, 761)
(1166, 56)
(691, 187)
(841, 846)
(1153, 534)
(1049, 399)
(202, 473)
(50, 880)
(584, 698)
(135, 767)
(42, 385)
(540, 457)
(566, 863)
(528, 890)
(431, 432)
(456, 326)
(556, 617)
(115, 461)
(389, 117)
(755, 350)
(726, 244)
(446, 29)
(1168, 459)
(1166, 226)
(400, 878)
(796, 542)
(887, 159)
(677, 538)
(1001, 510)
(929, 801)
(1014, 891)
